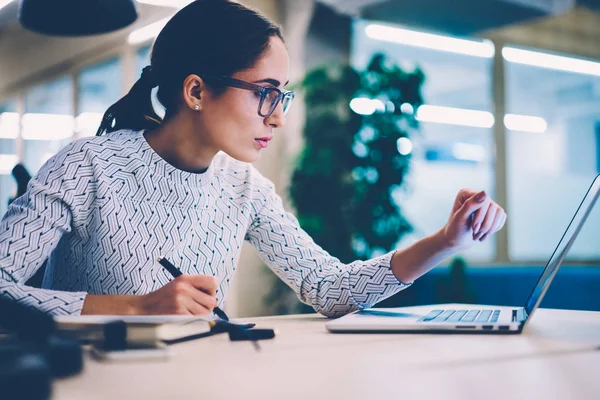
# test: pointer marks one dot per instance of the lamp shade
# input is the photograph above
(76, 17)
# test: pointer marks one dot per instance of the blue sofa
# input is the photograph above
(574, 287)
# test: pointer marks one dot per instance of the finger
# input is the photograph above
(473, 204)
(496, 225)
(205, 283)
(203, 299)
(501, 218)
(195, 308)
(499, 221)
(463, 195)
(488, 221)
(480, 216)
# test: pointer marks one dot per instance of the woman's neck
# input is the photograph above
(175, 141)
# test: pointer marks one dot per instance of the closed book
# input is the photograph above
(142, 330)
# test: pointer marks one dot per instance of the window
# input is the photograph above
(99, 87)
(48, 122)
(9, 131)
(552, 151)
(456, 151)
(9, 127)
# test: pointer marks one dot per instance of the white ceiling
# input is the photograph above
(354, 7)
(350, 7)
(25, 54)
(9, 13)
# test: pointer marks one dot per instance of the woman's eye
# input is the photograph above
(257, 93)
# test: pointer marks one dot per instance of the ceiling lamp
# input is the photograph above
(76, 17)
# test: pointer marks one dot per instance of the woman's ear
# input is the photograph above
(193, 88)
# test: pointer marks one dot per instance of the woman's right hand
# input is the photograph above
(185, 295)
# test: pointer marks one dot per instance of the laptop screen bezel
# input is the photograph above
(553, 264)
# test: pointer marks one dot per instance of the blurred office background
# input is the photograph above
(511, 90)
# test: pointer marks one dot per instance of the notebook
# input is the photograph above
(141, 329)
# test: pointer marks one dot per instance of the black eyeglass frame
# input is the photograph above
(263, 90)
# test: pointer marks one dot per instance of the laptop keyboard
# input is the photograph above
(478, 316)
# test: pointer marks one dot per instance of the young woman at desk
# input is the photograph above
(103, 209)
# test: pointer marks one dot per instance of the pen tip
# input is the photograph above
(159, 259)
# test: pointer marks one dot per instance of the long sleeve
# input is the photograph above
(319, 279)
(31, 229)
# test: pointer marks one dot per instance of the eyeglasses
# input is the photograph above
(269, 96)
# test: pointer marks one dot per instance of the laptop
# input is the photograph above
(470, 318)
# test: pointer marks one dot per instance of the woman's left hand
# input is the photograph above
(474, 217)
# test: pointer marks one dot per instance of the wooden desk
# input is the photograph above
(557, 357)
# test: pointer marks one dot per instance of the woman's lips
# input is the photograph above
(263, 142)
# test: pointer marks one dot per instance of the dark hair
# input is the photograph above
(212, 37)
(22, 176)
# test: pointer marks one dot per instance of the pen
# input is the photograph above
(175, 272)
(236, 331)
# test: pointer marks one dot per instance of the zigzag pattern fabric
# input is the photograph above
(103, 209)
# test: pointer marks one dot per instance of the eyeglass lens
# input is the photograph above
(271, 101)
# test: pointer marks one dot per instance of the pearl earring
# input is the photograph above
(196, 107)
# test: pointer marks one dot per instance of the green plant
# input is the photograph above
(351, 163)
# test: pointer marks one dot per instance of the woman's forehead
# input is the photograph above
(274, 64)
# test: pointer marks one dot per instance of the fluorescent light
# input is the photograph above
(148, 32)
(468, 152)
(4, 3)
(167, 3)
(475, 48)
(47, 126)
(9, 125)
(551, 61)
(87, 123)
(7, 163)
(525, 123)
(404, 146)
(365, 106)
(455, 116)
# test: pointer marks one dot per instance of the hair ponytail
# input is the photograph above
(134, 111)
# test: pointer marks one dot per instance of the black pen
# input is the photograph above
(173, 270)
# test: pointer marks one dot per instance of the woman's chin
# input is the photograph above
(247, 157)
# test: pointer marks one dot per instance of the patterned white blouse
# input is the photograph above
(103, 209)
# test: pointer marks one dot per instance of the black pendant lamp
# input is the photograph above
(76, 17)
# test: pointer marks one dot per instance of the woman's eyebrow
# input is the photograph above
(271, 81)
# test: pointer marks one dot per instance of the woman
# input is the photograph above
(104, 209)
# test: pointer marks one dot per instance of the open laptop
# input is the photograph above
(470, 318)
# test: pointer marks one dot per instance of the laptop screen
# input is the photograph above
(564, 245)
